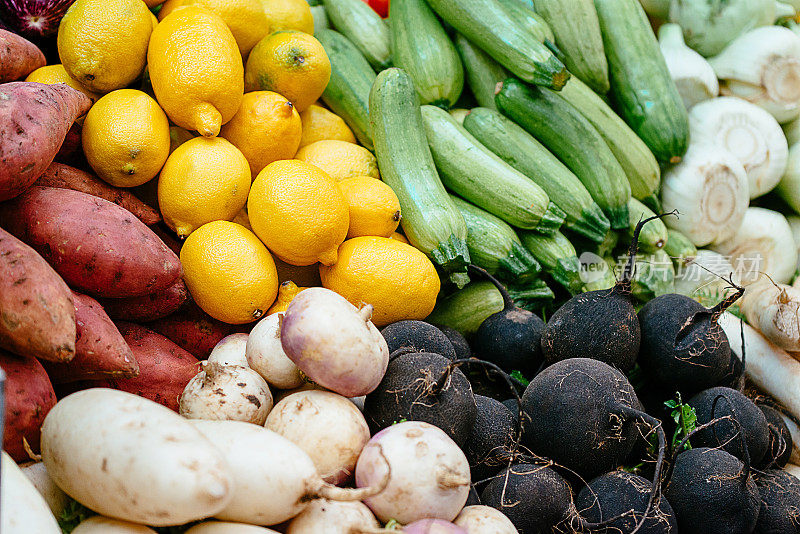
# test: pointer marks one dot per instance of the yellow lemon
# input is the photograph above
(289, 15)
(374, 208)
(305, 275)
(204, 180)
(126, 138)
(196, 70)
(320, 124)
(286, 293)
(291, 63)
(397, 279)
(154, 20)
(340, 159)
(266, 128)
(399, 237)
(245, 18)
(298, 212)
(178, 136)
(52, 74)
(229, 272)
(103, 43)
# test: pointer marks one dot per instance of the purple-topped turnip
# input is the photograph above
(36, 19)
(433, 526)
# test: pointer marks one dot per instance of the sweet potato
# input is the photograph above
(100, 350)
(169, 238)
(37, 316)
(29, 396)
(96, 246)
(34, 120)
(193, 330)
(164, 367)
(66, 177)
(18, 57)
(71, 151)
(149, 307)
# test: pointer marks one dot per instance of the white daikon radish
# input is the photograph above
(265, 354)
(693, 75)
(56, 499)
(792, 131)
(793, 470)
(230, 350)
(709, 190)
(774, 310)
(226, 392)
(130, 458)
(327, 426)
(226, 527)
(481, 519)
(332, 517)
(762, 66)
(22, 509)
(794, 431)
(749, 133)
(763, 244)
(789, 186)
(702, 274)
(105, 525)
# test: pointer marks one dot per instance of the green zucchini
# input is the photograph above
(494, 246)
(365, 28)
(321, 21)
(557, 256)
(467, 308)
(577, 35)
(654, 233)
(640, 82)
(655, 276)
(533, 21)
(531, 296)
(430, 220)
(679, 247)
(475, 173)
(517, 148)
(347, 92)
(560, 127)
(599, 274)
(421, 47)
(489, 25)
(638, 162)
(483, 72)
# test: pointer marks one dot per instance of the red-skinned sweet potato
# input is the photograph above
(37, 315)
(96, 246)
(34, 120)
(149, 307)
(100, 350)
(71, 151)
(66, 177)
(164, 367)
(193, 330)
(18, 57)
(29, 396)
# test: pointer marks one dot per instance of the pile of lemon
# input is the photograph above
(212, 105)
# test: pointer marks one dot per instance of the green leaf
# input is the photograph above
(685, 418)
(72, 515)
(518, 376)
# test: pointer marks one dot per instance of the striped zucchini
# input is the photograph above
(365, 28)
(598, 276)
(517, 148)
(679, 247)
(638, 162)
(489, 25)
(654, 233)
(475, 173)
(421, 47)
(321, 21)
(640, 82)
(655, 276)
(569, 135)
(347, 92)
(483, 72)
(533, 21)
(430, 220)
(577, 35)
(557, 256)
(467, 308)
(531, 296)
(494, 246)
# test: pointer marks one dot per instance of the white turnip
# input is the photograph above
(774, 309)
(22, 508)
(479, 519)
(225, 527)
(334, 343)
(265, 354)
(433, 526)
(231, 350)
(226, 392)
(56, 499)
(429, 474)
(130, 458)
(333, 517)
(327, 426)
(105, 525)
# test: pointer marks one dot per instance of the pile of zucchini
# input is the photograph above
(560, 114)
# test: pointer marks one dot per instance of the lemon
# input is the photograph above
(374, 208)
(52, 74)
(306, 275)
(266, 128)
(289, 15)
(298, 212)
(340, 159)
(103, 43)
(245, 18)
(399, 237)
(320, 124)
(229, 272)
(286, 293)
(153, 20)
(178, 136)
(398, 280)
(290, 63)
(196, 70)
(126, 138)
(204, 180)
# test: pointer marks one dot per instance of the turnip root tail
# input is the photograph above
(365, 312)
(626, 279)
(335, 493)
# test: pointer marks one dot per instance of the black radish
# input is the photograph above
(598, 324)
(420, 336)
(780, 445)
(458, 341)
(490, 444)
(683, 347)
(780, 503)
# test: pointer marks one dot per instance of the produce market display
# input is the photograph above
(415, 266)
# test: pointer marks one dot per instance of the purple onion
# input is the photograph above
(34, 19)
(433, 526)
